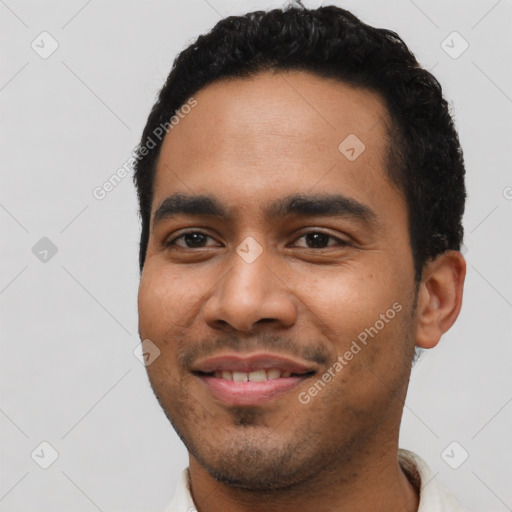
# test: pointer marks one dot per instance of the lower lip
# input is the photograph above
(250, 393)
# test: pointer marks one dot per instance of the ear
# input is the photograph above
(440, 297)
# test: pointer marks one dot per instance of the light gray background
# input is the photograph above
(69, 325)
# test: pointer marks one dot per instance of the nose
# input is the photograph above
(249, 295)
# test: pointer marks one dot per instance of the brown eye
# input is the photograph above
(320, 240)
(193, 239)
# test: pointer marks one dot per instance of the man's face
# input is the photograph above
(294, 282)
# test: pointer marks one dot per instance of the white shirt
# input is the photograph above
(433, 496)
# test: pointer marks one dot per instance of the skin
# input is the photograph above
(249, 142)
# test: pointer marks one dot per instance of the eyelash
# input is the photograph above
(340, 242)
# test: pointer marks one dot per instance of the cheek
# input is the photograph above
(361, 310)
(160, 306)
(159, 302)
(348, 298)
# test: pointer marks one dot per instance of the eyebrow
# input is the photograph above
(305, 205)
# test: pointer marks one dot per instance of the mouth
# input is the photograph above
(236, 380)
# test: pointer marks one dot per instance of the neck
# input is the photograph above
(376, 478)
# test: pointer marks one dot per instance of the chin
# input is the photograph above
(252, 466)
(262, 478)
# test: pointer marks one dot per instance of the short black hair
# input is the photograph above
(424, 159)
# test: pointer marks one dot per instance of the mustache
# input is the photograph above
(263, 342)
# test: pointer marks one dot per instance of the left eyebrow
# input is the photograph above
(325, 205)
(303, 205)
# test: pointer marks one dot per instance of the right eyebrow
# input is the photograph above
(180, 204)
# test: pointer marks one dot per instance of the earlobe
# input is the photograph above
(440, 297)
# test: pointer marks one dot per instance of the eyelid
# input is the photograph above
(339, 241)
(171, 240)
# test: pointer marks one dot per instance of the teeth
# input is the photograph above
(273, 374)
(240, 377)
(258, 376)
(254, 376)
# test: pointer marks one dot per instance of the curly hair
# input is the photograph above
(424, 160)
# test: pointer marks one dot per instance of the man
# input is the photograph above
(301, 190)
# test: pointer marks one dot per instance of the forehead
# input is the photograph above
(275, 133)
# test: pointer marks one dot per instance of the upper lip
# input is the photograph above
(236, 361)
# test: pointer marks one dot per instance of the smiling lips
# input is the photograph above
(238, 380)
